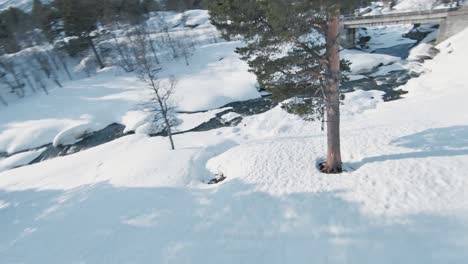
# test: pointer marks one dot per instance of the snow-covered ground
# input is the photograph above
(383, 7)
(402, 199)
(214, 78)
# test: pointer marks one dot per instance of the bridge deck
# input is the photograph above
(433, 16)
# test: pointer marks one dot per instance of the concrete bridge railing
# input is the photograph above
(451, 21)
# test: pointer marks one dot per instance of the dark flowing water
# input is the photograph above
(390, 82)
(401, 51)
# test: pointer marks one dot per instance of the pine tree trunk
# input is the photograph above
(98, 58)
(333, 163)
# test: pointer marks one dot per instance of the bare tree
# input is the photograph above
(11, 76)
(38, 80)
(147, 67)
(28, 80)
(152, 45)
(146, 34)
(43, 60)
(167, 39)
(125, 58)
(52, 58)
(161, 107)
(90, 41)
(183, 50)
(62, 58)
(185, 47)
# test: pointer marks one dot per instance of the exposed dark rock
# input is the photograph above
(363, 40)
(417, 34)
(109, 133)
(217, 179)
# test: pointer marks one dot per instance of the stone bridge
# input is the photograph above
(451, 21)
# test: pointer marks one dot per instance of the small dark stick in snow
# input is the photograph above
(218, 178)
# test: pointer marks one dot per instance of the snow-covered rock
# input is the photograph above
(72, 134)
(422, 52)
(18, 160)
(230, 117)
(362, 62)
(191, 121)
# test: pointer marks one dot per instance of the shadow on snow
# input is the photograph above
(232, 223)
(437, 142)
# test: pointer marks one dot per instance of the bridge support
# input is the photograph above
(348, 37)
(453, 24)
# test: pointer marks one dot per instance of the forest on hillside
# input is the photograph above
(39, 47)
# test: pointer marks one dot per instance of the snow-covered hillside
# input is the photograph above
(416, 5)
(25, 5)
(132, 200)
(410, 5)
(214, 78)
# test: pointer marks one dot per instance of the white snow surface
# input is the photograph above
(230, 116)
(421, 51)
(415, 5)
(402, 199)
(363, 62)
(19, 159)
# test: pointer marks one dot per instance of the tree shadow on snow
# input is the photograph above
(230, 223)
(438, 142)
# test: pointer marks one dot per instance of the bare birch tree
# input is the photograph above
(167, 38)
(38, 80)
(124, 54)
(43, 60)
(147, 67)
(62, 58)
(12, 77)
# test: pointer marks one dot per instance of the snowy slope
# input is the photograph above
(417, 5)
(25, 5)
(215, 77)
(413, 5)
(403, 199)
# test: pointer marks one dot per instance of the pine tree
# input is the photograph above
(38, 11)
(293, 48)
(150, 6)
(15, 25)
(80, 19)
(44, 18)
(182, 5)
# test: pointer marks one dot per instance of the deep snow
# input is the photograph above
(132, 200)
(403, 199)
